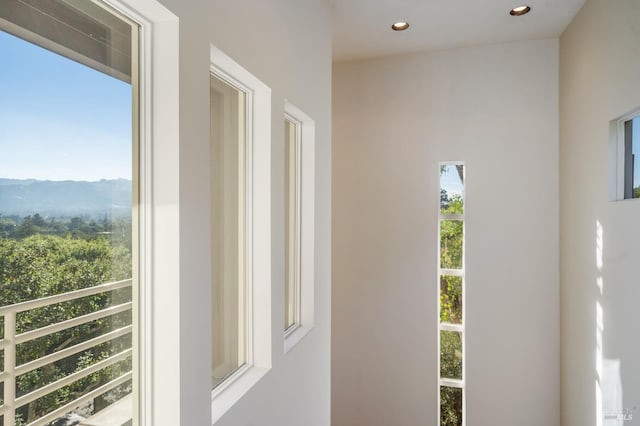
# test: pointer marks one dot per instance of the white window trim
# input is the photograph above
(159, 226)
(305, 240)
(258, 233)
(616, 156)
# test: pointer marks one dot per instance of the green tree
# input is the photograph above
(451, 403)
(26, 228)
(451, 256)
(44, 265)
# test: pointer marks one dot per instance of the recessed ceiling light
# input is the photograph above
(520, 10)
(400, 26)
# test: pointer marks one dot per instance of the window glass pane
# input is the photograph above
(67, 215)
(451, 244)
(450, 355)
(450, 406)
(635, 149)
(77, 29)
(451, 299)
(632, 158)
(290, 227)
(227, 228)
(451, 188)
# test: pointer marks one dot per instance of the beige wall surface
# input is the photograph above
(394, 120)
(600, 248)
(287, 45)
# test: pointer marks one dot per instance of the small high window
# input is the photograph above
(299, 224)
(292, 222)
(631, 158)
(625, 155)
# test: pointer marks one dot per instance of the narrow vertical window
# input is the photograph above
(69, 242)
(624, 151)
(240, 231)
(632, 158)
(228, 227)
(299, 162)
(451, 294)
(291, 227)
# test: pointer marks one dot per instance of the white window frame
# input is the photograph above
(460, 328)
(159, 224)
(617, 156)
(305, 224)
(257, 233)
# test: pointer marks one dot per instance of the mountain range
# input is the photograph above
(67, 198)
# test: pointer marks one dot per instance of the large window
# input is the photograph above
(68, 213)
(299, 224)
(451, 294)
(240, 230)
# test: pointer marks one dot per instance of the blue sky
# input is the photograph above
(450, 181)
(60, 120)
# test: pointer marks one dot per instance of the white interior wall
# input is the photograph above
(599, 69)
(394, 119)
(288, 46)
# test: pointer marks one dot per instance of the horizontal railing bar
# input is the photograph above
(64, 297)
(3, 409)
(4, 343)
(72, 350)
(443, 326)
(53, 328)
(79, 401)
(452, 383)
(4, 376)
(51, 387)
(452, 272)
(451, 216)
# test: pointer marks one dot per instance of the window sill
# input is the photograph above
(224, 396)
(291, 339)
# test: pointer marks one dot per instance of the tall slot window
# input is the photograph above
(299, 165)
(228, 128)
(69, 208)
(240, 231)
(631, 130)
(292, 224)
(451, 294)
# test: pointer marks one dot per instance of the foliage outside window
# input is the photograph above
(451, 289)
(68, 213)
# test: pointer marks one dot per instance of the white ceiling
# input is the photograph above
(362, 28)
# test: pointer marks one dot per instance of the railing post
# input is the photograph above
(10, 368)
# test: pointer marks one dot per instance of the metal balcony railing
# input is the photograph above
(12, 402)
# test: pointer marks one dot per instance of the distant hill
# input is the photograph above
(65, 198)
